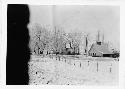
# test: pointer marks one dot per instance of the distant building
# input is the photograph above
(70, 49)
(100, 49)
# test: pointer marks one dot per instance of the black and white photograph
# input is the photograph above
(63, 45)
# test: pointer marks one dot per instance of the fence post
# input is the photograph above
(88, 63)
(80, 64)
(97, 67)
(110, 69)
(59, 58)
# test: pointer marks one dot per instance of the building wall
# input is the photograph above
(92, 53)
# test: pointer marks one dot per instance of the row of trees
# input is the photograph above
(52, 41)
(45, 40)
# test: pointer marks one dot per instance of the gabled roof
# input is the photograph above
(103, 48)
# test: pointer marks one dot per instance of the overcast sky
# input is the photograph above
(81, 18)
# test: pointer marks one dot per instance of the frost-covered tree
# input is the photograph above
(75, 39)
(58, 40)
(45, 41)
(40, 38)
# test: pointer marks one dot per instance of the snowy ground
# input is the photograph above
(67, 70)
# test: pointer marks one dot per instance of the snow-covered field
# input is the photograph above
(66, 70)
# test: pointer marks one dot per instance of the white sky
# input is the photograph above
(81, 18)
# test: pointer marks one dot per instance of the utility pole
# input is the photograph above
(103, 38)
(98, 36)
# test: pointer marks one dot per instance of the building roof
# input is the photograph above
(102, 48)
